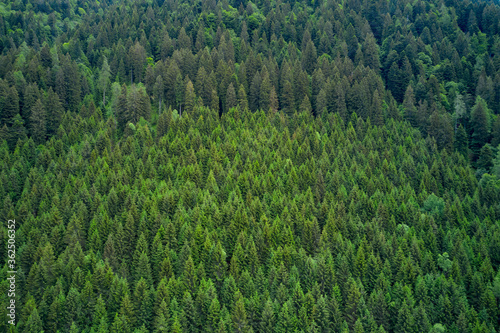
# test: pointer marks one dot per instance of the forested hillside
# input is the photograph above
(236, 166)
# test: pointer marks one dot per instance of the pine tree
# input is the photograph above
(214, 101)
(202, 86)
(190, 97)
(122, 108)
(38, 122)
(34, 323)
(242, 98)
(323, 316)
(287, 101)
(273, 100)
(338, 104)
(17, 131)
(231, 100)
(485, 160)
(371, 53)
(100, 314)
(137, 60)
(31, 95)
(376, 116)
(480, 126)
(409, 107)
(190, 278)
(422, 323)
(309, 57)
(138, 104)
(461, 141)
(351, 40)
(460, 109)
(495, 132)
(305, 106)
(287, 321)
(159, 92)
(72, 307)
(405, 321)
(254, 96)
(268, 321)
(189, 317)
(164, 121)
(213, 316)
(239, 316)
(10, 106)
(54, 111)
(395, 82)
(265, 92)
(353, 296)
(104, 76)
(143, 303)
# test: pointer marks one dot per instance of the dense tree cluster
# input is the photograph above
(238, 166)
(251, 221)
(430, 62)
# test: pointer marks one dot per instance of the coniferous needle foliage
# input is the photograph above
(238, 166)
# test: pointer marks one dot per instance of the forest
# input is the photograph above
(272, 166)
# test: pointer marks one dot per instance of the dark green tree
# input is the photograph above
(38, 122)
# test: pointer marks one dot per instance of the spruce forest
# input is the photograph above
(235, 166)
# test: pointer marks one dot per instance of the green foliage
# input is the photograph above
(433, 205)
(250, 170)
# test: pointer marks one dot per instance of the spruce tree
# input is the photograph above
(104, 76)
(54, 112)
(287, 101)
(239, 316)
(254, 95)
(265, 92)
(231, 100)
(480, 126)
(159, 92)
(17, 131)
(38, 122)
(267, 321)
(190, 97)
(461, 141)
(10, 107)
(242, 98)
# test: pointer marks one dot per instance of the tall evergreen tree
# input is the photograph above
(479, 126)
(231, 100)
(104, 76)
(190, 97)
(10, 107)
(38, 122)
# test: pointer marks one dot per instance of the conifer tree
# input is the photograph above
(377, 116)
(305, 106)
(10, 107)
(17, 131)
(190, 97)
(104, 76)
(480, 126)
(309, 57)
(38, 122)
(254, 95)
(34, 323)
(371, 53)
(267, 322)
(409, 107)
(287, 99)
(159, 92)
(242, 98)
(231, 100)
(461, 141)
(265, 92)
(239, 316)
